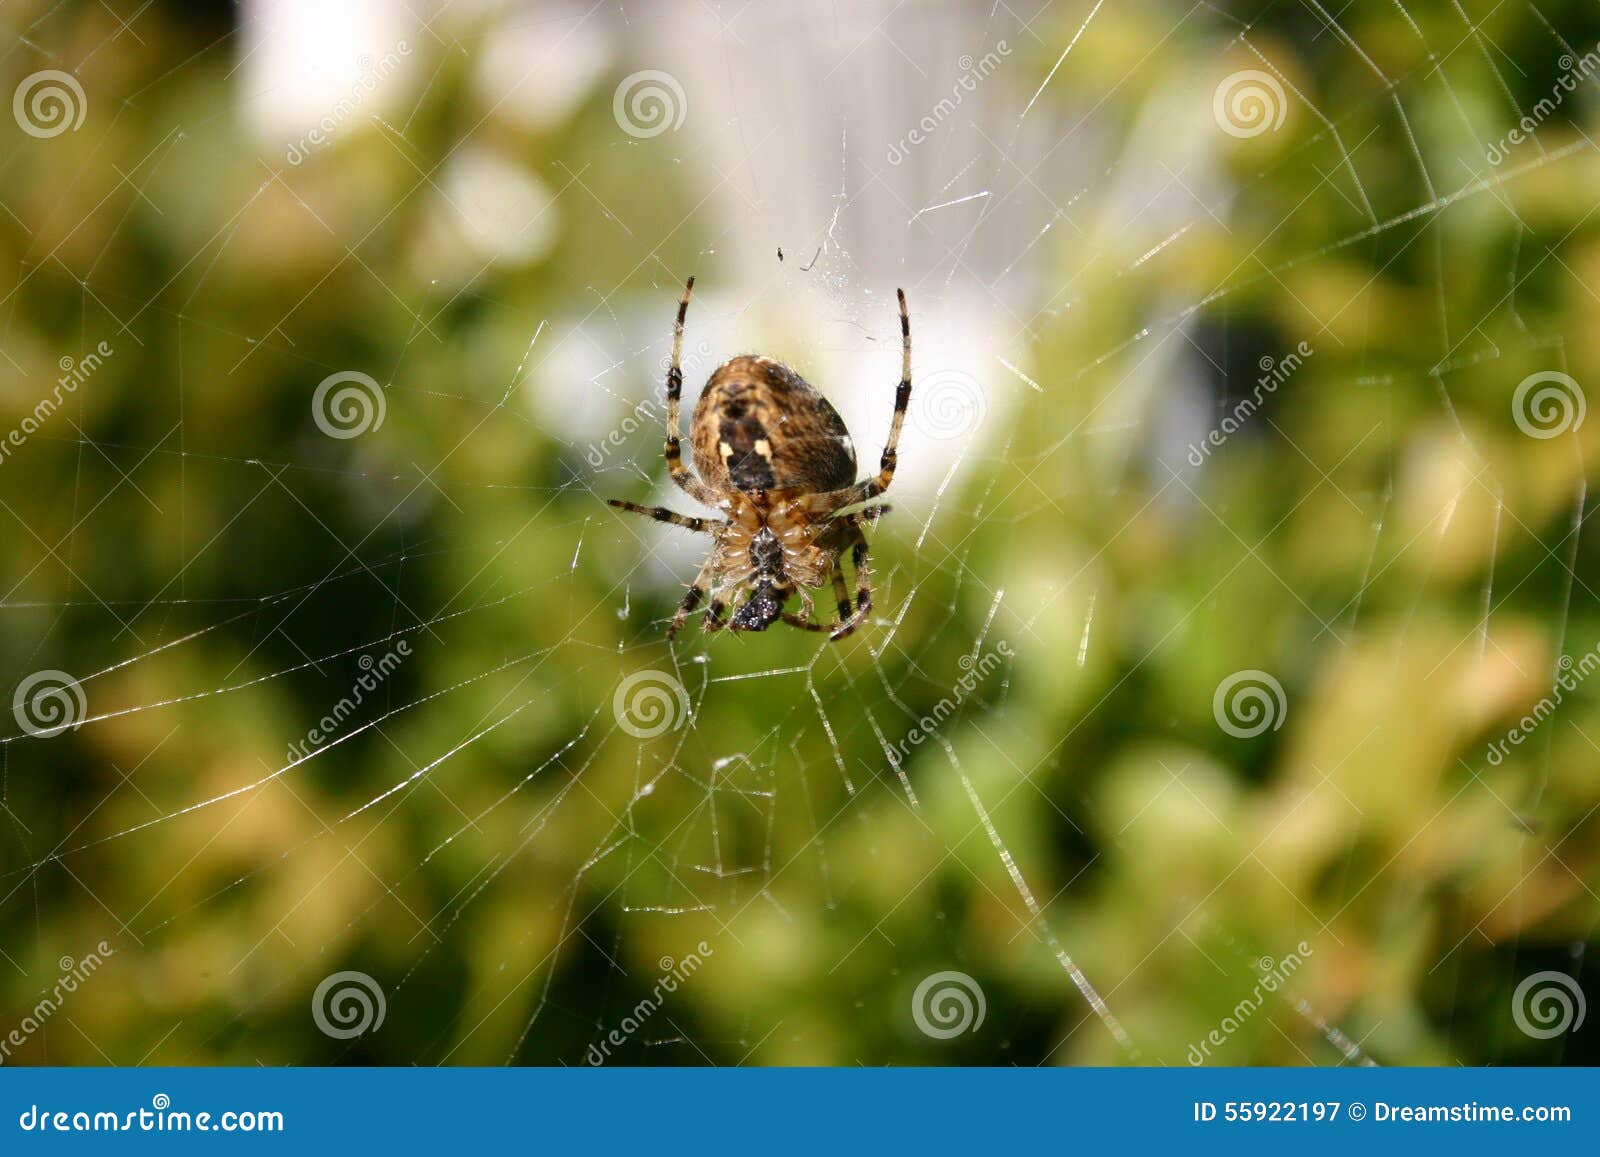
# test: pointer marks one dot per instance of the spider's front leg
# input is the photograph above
(680, 474)
(830, 500)
(662, 514)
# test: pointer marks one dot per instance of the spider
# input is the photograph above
(774, 456)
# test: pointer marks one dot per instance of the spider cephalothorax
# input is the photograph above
(774, 456)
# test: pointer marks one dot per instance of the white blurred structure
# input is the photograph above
(878, 145)
(310, 64)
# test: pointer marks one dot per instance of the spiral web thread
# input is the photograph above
(165, 628)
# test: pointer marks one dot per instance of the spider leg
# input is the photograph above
(680, 473)
(803, 619)
(691, 599)
(716, 616)
(662, 514)
(841, 593)
(858, 559)
(876, 485)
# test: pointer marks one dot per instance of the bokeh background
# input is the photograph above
(1180, 714)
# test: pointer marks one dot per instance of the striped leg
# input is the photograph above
(662, 514)
(876, 485)
(716, 616)
(696, 592)
(680, 473)
(841, 593)
(858, 559)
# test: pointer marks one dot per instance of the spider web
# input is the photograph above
(541, 810)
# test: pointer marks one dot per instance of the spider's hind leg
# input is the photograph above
(858, 559)
(692, 597)
(802, 621)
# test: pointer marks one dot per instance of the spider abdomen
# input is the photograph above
(760, 426)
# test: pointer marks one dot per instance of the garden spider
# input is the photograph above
(774, 456)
